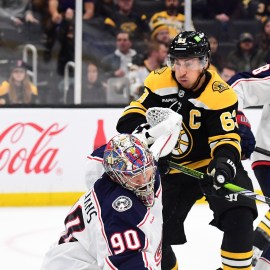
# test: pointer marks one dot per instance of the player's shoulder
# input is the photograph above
(161, 80)
(218, 94)
(118, 201)
(255, 76)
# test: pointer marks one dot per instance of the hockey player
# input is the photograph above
(118, 223)
(252, 89)
(209, 141)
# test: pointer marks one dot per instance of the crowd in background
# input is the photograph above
(122, 42)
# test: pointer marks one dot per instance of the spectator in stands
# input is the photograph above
(65, 35)
(246, 56)
(263, 10)
(117, 64)
(16, 12)
(18, 89)
(15, 16)
(171, 16)
(160, 33)
(156, 58)
(263, 39)
(216, 57)
(225, 10)
(127, 20)
(57, 10)
(227, 72)
(105, 8)
(93, 87)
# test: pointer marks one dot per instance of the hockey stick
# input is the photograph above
(262, 151)
(234, 188)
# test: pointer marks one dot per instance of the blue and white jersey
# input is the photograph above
(94, 167)
(253, 89)
(110, 228)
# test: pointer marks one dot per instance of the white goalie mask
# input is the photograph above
(129, 162)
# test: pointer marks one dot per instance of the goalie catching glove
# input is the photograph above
(161, 132)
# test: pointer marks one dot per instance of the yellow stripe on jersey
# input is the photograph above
(264, 225)
(264, 228)
(175, 267)
(135, 107)
(193, 165)
(233, 260)
(229, 138)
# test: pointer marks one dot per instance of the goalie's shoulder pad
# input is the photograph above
(161, 82)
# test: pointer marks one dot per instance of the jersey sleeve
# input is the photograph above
(252, 88)
(223, 137)
(94, 167)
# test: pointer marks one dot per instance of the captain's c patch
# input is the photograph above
(219, 86)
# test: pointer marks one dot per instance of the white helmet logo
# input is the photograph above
(181, 40)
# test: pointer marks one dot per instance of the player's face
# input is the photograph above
(187, 71)
(142, 179)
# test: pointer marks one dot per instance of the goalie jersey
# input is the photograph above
(253, 89)
(209, 116)
(109, 228)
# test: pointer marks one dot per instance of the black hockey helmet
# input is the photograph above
(189, 44)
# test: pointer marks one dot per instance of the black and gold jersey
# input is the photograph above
(209, 115)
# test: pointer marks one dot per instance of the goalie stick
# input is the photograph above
(262, 151)
(234, 188)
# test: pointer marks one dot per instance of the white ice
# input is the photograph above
(27, 232)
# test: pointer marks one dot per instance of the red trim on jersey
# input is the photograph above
(110, 264)
(250, 80)
(146, 261)
(260, 163)
(95, 158)
(145, 218)
(159, 191)
(265, 260)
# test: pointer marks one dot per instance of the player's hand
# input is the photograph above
(222, 170)
(247, 138)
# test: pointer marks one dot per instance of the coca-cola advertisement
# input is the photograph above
(45, 150)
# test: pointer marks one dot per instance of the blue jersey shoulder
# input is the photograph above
(118, 202)
(260, 72)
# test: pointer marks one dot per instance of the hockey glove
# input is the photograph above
(247, 138)
(222, 170)
(219, 171)
(141, 132)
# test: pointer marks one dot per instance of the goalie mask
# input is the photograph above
(130, 163)
(189, 44)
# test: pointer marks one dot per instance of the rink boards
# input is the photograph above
(43, 152)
